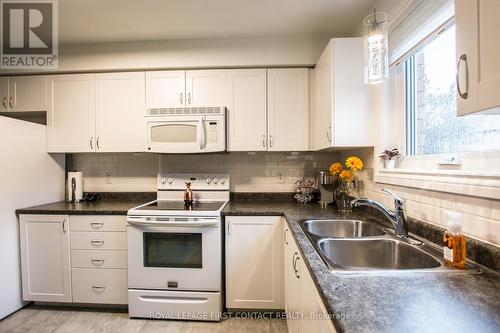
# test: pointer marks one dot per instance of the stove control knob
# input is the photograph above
(163, 180)
(223, 181)
(216, 180)
(208, 180)
(170, 180)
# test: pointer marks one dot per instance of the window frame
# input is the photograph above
(429, 171)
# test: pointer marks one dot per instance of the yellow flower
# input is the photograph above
(346, 176)
(354, 163)
(336, 168)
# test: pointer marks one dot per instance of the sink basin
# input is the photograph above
(342, 228)
(375, 254)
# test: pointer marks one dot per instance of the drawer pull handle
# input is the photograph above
(98, 262)
(96, 242)
(96, 225)
(98, 287)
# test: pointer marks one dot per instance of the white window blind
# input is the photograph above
(416, 20)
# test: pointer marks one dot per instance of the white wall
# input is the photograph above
(28, 177)
(203, 53)
(250, 172)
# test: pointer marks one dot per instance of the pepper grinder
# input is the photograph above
(188, 194)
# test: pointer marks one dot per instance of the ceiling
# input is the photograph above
(102, 21)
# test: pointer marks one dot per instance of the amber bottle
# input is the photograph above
(454, 245)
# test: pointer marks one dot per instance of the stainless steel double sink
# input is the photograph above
(354, 246)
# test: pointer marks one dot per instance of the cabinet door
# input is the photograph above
(292, 262)
(246, 103)
(206, 87)
(311, 305)
(288, 109)
(466, 13)
(489, 54)
(120, 112)
(28, 93)
(45, 264)
(4, 93)
(322, 111)
(165, 89)
(254, 262)
(71, 113)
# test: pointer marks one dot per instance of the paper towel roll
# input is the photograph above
(79, 186)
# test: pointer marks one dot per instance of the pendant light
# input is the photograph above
(376, 50)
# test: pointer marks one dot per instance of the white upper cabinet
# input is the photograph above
(478, 56)
(28, 93)
(288, 109)
(24, 93)
(254, 262)
(341, 113)
(45, 263)
(246, 103)
(71, 113)
(206, 87)
(191, 88)
(165, 89)
(120, 112)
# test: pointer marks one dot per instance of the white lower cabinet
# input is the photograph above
(79, 259)
(105, 286)
(303, 304)
(45, 262)
(99, 259)
(254, 262)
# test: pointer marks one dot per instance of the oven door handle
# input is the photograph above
(145, 222)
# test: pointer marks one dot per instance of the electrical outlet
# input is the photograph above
(280, 178)
(108, 178)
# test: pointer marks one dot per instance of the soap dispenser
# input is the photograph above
(454, 242)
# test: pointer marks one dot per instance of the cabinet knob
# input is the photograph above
(4, 102)
(10, 102)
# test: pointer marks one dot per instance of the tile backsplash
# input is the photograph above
(480, 216)
(250, 172)
(277, 172)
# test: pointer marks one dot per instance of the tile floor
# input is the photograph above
(41, 319)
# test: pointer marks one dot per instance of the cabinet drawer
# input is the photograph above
(108, 286)
(98, 223)
(98, 259)
(99, 240)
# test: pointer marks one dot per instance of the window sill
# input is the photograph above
(480, 184)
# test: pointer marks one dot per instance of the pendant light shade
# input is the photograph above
(376, 49)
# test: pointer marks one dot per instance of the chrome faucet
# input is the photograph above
(396, 217)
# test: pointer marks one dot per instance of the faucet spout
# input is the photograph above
(397, 217)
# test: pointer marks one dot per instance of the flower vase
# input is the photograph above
(343, 198)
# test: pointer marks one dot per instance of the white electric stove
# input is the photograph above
(175, 250)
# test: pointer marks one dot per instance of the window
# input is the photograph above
(432, 126)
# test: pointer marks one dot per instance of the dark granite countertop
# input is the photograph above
(102, 207)
(420, 302)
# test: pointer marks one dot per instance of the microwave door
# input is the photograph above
(176, 135)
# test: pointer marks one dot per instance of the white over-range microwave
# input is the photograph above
(186, 130)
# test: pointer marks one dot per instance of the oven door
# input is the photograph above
(174, 253)
(176, 134)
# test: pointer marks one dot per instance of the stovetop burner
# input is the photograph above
(167, 205)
